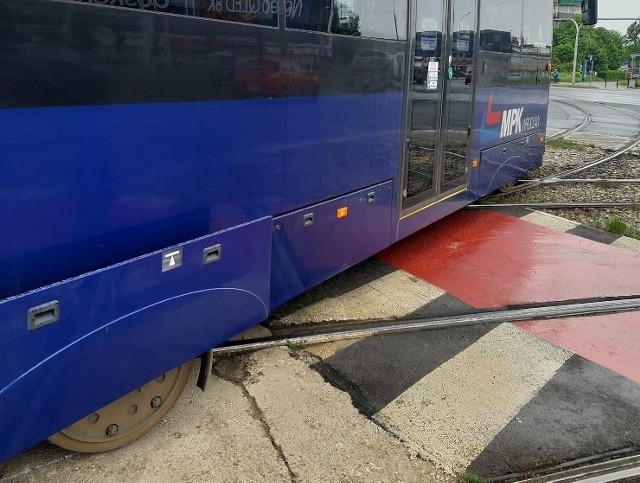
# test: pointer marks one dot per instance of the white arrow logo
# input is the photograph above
(171, 257)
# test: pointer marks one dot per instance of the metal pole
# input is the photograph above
(575, 51)
(575, 47)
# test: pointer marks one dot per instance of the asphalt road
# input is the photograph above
(603, 106)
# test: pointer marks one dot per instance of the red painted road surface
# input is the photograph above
(488, 259)
(613, 341)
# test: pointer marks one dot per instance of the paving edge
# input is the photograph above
(565, 225)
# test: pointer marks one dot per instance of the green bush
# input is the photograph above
(566, 76)
(612, 75)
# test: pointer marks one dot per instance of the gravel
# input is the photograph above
(559, 159)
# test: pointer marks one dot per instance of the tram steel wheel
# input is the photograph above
(507, 187)
(126, 419)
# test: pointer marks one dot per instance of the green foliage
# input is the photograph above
(349, 27)
(562, 143)
(619, 227)
(295, 346)
(470, 478)
(616, 225)
(612, 75)
(606, 45)
(633, 34)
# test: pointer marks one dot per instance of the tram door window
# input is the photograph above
(458, 95)
(439, 98)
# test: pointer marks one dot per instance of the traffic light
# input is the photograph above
(589, 12)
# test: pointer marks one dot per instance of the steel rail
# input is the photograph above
(592, 180)
(560, 206)
(566, 466)
(306, 336)
(531, 183)
(602, 472)
(585, 121)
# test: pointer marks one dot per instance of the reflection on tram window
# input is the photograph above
(501, 25)
(423, 153)
(382, 19)
(459, 95)
(497, 41)
(501, 42)
(537, 30)
(257, 12)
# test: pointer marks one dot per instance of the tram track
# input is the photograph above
(587, 119)
(583, 183)
(618, 465)
(563, 175)
(633, 143)
(331, 331)
(562, 206)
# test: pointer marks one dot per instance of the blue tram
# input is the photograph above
(174, 169)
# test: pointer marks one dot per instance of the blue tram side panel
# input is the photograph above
(130, 132)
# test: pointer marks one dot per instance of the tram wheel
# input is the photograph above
(126, 419)
(507, 187)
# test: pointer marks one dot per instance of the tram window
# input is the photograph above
(537, 29)
(501, 25)
(257, 12)
(382, 19)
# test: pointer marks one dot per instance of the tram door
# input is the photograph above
(439, 99)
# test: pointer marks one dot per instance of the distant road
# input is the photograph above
(615, 114)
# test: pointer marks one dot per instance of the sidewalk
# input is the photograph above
(596, 85)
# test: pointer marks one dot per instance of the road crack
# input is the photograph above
(235, 370)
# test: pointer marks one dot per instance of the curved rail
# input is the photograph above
(323, 332)
(610, 466)
(585, 121)
(553, 178)
(621, 469)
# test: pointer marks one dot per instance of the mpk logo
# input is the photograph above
(510, 120)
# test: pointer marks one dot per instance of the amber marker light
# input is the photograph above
(474, 163)
(342, 212)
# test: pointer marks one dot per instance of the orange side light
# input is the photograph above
(342, 212)
(474, 163)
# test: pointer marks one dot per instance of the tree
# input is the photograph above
(563, 41)
(633, 34)
(344, 21)
(607, 47)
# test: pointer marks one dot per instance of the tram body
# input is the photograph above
(174, 169)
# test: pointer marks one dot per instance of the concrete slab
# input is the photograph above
(584, 410)
(209, 437)
(550, 221)
(455, 411)
(628, 243)
(377, 370)
(370, 290)
(604, 141)
(321, 435)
